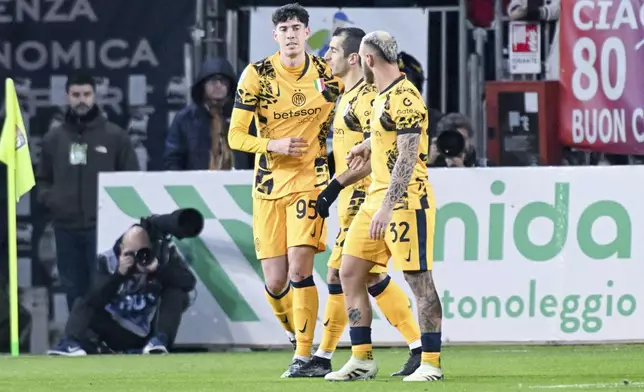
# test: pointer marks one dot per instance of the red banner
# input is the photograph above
(602, 87)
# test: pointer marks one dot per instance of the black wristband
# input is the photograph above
(335, 187)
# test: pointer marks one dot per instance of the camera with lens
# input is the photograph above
(453, 129)
(143, 257)
(450, 143)
(182, 223)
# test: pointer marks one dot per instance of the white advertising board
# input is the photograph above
(521, 254)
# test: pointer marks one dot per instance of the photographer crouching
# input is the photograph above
(452, 146)
(139, 294)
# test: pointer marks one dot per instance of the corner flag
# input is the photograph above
(14, 152)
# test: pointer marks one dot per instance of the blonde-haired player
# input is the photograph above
(350, 124)
(397, 218)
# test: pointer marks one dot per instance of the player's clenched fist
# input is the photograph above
(293, 146)
(358, 156)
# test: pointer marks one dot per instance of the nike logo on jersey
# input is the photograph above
(315, 229)
(408, 259)
(326, 323)
(278, 90)
(304, 329)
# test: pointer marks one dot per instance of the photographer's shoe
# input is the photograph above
(156, 345)
(67, 348)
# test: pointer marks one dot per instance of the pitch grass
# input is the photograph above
(478, 369)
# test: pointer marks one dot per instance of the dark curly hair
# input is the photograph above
(291, 11)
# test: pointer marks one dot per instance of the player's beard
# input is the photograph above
(368, 74)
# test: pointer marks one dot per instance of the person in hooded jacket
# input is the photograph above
(198, 136)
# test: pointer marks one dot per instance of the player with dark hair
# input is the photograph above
(397, 218)
(350, 126)
(290, 96)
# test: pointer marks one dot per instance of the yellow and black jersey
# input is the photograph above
(398, 109)
(350, 127)
(285, 102)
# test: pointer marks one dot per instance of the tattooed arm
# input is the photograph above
(403, 169)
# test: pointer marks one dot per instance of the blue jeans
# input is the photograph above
(76, 258)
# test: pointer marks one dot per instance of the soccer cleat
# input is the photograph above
(293, 368)
(316, 367)
(67, 348)
(156, 345)
(425, 372)
(413, 362)
(354, 369)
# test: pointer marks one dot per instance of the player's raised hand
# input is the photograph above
(358, 157)
(292, 146)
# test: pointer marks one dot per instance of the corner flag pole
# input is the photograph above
(13, 260)
(14, 152)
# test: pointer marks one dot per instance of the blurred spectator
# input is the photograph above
(409, 65)
(73, 154)
(460, 123)
(198, 137)
(549, 11)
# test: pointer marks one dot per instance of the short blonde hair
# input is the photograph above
(384, 43)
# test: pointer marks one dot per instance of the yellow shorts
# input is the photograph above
(287, 222)
(409, 239)
(335, 261)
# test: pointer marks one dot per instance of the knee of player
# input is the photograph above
(333, 276)
(348, 274)
(374, 279)
(276, 285)
(420, 282)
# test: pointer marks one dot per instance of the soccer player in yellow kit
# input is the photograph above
(290, 95)
(350, 125)
(397, 218)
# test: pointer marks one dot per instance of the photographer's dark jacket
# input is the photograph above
(132, 300)
(69, 190)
